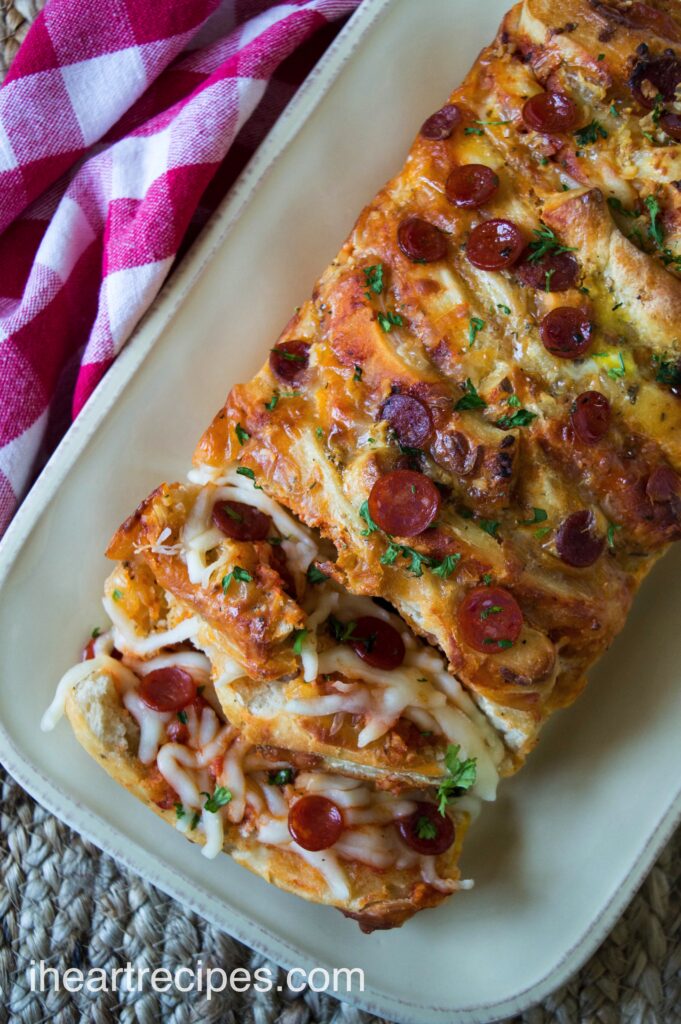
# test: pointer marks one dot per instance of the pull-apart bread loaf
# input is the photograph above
(479, 405)
(407, 539)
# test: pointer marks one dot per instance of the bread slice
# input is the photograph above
(369, 874)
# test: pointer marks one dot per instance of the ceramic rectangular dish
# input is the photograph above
(559, 855)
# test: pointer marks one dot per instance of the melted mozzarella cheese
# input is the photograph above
(199, 535)
(127, 639)
(152, 726)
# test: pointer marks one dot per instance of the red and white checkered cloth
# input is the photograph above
(114, 118)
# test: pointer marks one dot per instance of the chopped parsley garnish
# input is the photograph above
(340, 631)
(298, 640)
(373, 277)
(616, 204)
(471, 399)
(117, 594)
(319, 432)
(473, 131)
(655, 230)
(425, 829)
(659, 108)
(547, 278)
(590, 133)
(447, 566)
(241, 434)
(601, 56)
(315, 575)
(504, 308)
(282, 777)
(365, 514)
(238, 574)
(545, 242)
(462, 775)
(501, 644)
(179, 811)
(219, 799)
(245, 471)
(276, 541)
(542, 532)
(520, 418)
(95, 632)
(357, 375)
(417, 561)
(614, 372)
(272, 404)
(182, 715)
(389, 320)
(492, 610)
(612, 529)
(487, 579)
(613, 110)
(475, 325)
(415, 558)
(513, 401)
(539, 515)
(494, 122)
(490, 526)
(668, 371)
(196, 818)
(233, 514)
(292, 357)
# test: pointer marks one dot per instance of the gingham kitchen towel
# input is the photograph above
(114, 118)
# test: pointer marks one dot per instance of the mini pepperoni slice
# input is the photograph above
(495, 244)
(471, 185)
(426, 830)
(442, 123)
(590, 416)
(671, 124)
(653, 78)
(289, 359)
(490, 619)
(552, 272)
(454, 451)
(404, 503)
(177, 731)
(421, 241)
(577, 542)
(315, 822)
(377, 642)
(662, 485)
(566, 332)
(241, 522)
(550, 112)
(88, 651)
(409, 418)
(167, 689)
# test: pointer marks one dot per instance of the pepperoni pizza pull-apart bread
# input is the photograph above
(297, 662)
(480, 406)
(327, 837)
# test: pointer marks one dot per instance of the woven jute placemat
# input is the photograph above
(67, 904)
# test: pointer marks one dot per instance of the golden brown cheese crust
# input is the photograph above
(254, 622)
(378, 899)
(319, 448)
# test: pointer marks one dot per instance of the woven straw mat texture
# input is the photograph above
(64, 902)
